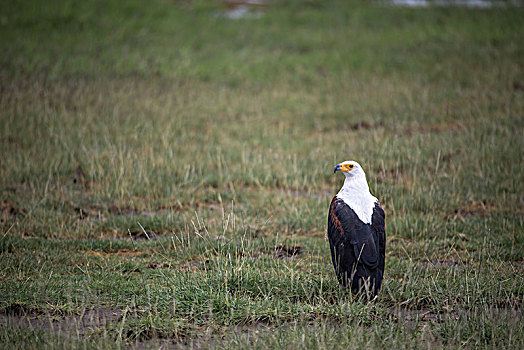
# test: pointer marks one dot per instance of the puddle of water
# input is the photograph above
(241, 12)
(240, 9)
(246, 9)
(483, 4)
(24, 316)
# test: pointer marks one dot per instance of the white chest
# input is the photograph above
(361, 203)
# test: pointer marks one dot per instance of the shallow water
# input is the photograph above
(241, 12)
(241, 9)
(238, 9)
(486, 4)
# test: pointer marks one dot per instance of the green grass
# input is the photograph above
(218, 138)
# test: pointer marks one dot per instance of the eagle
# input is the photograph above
(356, 233)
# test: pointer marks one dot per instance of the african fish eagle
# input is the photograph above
(356, 232)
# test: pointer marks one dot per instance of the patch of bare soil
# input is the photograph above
(87, 213)
(18, 309)
(80, 323)
(419, 318)
(80, 178)
(364, 125)
(140, 235)
(449, 155)
(158, 265)
(511, 313)
(436, 128)
(120, 252)
(284, 252)
(207, 340)
(518, 85)
(348, 127)
(478, 208)
(186, 266)
(519, 264)
(9, 210)
(193, 264)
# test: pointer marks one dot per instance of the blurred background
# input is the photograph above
(185, 103)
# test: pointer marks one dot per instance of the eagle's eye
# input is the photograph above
(350, 166)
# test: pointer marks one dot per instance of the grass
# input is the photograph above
(165, 174)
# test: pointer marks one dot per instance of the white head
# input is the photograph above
(351, 169)
(355, 191)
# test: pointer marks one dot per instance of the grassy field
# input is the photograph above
(165, 173)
